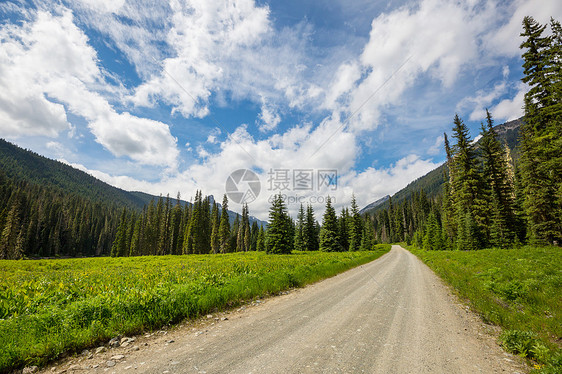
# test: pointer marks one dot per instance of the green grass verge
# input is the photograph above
(518, 289)
(48, 307)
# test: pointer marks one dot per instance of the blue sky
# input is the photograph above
(174, 96)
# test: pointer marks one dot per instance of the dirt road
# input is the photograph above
(392, 315)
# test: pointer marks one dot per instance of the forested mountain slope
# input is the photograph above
(26, 165)
(431, 183)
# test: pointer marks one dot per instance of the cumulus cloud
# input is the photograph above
(268, 119)
(433, 37)
(510, 109)
(482, 100)
(503, 41)
(202, 35)
(48, 69)
(437, 146)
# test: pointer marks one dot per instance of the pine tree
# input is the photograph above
(136, 239)
(254, 233)
(9, 239)
(449, 224)
(215, 244)
(247, 238)
(355, 228)
(245, 228)
(176, 226)
(344, 223)
(467, 237)
(329, 241)
(261, 240)
(501, 191)
(299, 231)
(119, 244)
(541, 158)
(224, 227)
(279, 239)
(468, 206)
(432, 237)
(235, 234)
(310, 232)
(368, 236)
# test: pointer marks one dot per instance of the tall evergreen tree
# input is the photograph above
(215, 226)
(224, 227)
(541, 166)
(261, 240)
(10, 239)
(119, 247)
(329, 240)
(279, 239)
(254, 233)
(500, 188)
(299, 230)
(449, 224)
(355, 228)
(344, 223)
(368, 236)
(468, 206)
(432, 236)
(310, 232)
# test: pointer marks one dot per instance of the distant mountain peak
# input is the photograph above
(508, 133)
(375, 204)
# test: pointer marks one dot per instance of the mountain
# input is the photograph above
(508, 134)
(375, 204)
(26, 165)
(33, 168)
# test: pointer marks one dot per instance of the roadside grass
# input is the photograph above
(49, 307)
(519, 289)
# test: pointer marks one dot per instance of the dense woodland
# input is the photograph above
(47, 222)
(483, 196)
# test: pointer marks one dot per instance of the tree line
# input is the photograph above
(347, 232)
(490, 198)
(166, 227)
(43, 221)
(204, 227)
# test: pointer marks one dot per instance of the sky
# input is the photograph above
(309, 99)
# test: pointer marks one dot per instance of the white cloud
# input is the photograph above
(505, 40)
(105, 6)
(437, 147)
(230, 51)
(510, 109)
(482, 100)
(344, 80)
(372, 183)
(57, 148)
(268, 119)
(48, 69)
(146, 141)
(204, 35)
(434, 37)
(31, 114)
(211, 174)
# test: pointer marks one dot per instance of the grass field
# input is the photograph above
(48, 307)
(518, 289)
